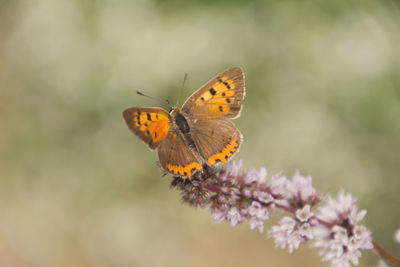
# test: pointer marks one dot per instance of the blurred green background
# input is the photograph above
(78, 189)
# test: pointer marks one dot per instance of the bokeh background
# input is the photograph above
(78, 189)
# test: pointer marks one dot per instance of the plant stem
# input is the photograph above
(386, 254)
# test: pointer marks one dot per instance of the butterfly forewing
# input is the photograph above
(178, 158)
(151, 125)
(216, 140)
(219, 98)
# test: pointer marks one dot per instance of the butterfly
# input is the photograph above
(198, 133)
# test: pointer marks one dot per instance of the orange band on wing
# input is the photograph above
(225, 154)
(184, 170)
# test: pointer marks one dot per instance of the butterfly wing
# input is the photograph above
(151, 125)
(216, 140)
(220, 97)
(176, 157)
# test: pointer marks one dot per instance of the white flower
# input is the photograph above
(256, 210)
(304, 214)
(256, 176)
(262, 175)
(278, 184)
(340, 235)
(284, 234)
(300, 186)
(306, 231)
(299, 190)
(256, 223)
(362, 237)
(218, 215)
(265, 197)
(343, 204)
(355, 216)
(234, 167)
(234, 216)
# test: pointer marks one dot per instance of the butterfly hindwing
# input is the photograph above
(216, 140)
(178, 158)
(151, 125)
(218, 98)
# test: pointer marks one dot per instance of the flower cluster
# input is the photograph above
(341, 242)
(236, 196)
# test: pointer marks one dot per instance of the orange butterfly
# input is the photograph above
(200, 131)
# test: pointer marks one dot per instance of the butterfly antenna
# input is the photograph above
(154, 98)
(183, 85)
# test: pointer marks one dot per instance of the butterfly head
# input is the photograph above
(173, 111)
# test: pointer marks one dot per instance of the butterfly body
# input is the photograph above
(199, 132)
(181, 126)
(180, 120)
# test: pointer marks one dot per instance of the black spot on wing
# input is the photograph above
(138, 117)
(227, 85)
(212, 91)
